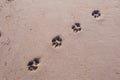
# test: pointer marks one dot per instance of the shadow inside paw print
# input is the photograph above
(33, 64)
(10, 0)
(0, 34)
(57, 41)
(76, 27)
(96, 13)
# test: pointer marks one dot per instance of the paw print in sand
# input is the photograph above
(96, 13)
(76, 27)
(57, 41)
(33, 64)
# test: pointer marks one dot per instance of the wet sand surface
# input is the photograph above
(59, 39)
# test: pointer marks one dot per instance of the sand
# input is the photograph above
(88, 51)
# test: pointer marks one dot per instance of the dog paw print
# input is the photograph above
(96, 13)
(76, 27)
(57, 41)
(33, 64)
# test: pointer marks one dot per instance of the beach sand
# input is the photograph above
(70, 39)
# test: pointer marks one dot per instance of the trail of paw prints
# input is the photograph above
(33, 64)
(76, 27)
(57, 41)
(96, 13)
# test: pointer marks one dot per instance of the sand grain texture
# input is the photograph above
(89, 50)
